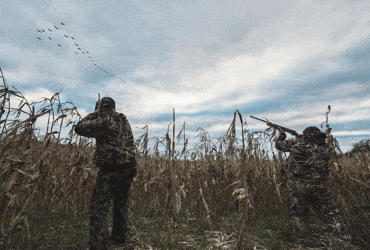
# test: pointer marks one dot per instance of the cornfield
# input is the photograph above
(214, 177)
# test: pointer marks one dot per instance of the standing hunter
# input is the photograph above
(115, 156)
(306, 175)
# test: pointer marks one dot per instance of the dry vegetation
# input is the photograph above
(222, 194)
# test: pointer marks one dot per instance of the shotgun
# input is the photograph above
(273, 125)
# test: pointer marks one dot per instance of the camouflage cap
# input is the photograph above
(313, 133)
(107, 103)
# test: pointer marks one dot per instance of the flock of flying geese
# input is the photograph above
(85, 52)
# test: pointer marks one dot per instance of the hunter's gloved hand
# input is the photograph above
(282, 136)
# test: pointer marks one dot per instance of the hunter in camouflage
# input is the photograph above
(306, 175)
(115, 156)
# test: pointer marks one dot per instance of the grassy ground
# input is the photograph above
(58, 229)
(52, 228)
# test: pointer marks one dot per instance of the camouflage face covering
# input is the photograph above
(314, 135)
(107, 103)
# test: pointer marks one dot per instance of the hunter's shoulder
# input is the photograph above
(93, 114)
(122, 116)
(90, 116)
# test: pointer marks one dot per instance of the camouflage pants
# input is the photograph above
(109, 185)
(311, 202)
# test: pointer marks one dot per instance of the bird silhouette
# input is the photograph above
(83, 52)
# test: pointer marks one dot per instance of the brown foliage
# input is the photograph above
(214, 177)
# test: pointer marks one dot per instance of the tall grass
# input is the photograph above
(216, 177)
(37, 170)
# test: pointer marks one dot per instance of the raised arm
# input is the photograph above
(90, 126)
(284, 145)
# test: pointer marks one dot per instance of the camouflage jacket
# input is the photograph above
(306, 160)
(113, 134)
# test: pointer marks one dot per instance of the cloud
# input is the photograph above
(205, 89)
(351, 133)
(37, 94)
(250, 75)
(286, 61)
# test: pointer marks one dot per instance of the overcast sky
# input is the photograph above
(281, 60)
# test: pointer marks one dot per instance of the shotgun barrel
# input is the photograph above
(288, 130)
